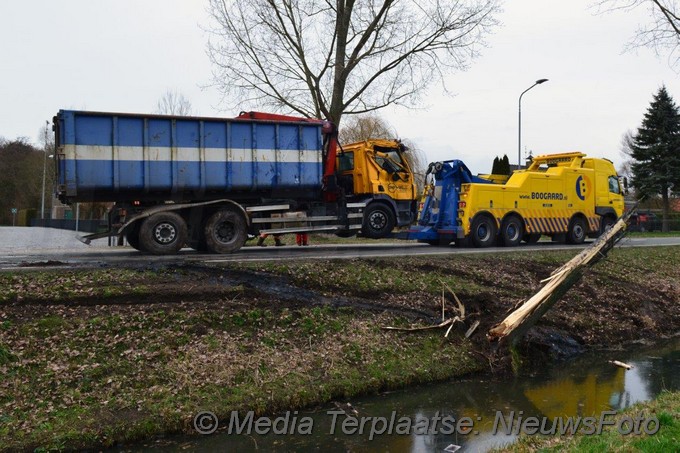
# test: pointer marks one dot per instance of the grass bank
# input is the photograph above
(80, 372)
(653, 234)
(665, 409)
(94, 357)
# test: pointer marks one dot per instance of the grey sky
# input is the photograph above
(123, 55)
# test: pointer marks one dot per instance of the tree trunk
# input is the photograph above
(666, 209)
(339, 71)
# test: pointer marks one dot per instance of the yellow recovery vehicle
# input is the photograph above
(566, 196)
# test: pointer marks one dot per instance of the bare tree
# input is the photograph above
(661, 33)
(625, 170)
(49, 169)
(173, 103)
(327, 58)
(364, 127)
(417, 161)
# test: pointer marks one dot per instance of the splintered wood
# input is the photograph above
(519, 321)
(621, 364)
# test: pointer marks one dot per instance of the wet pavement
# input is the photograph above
(24, 239)
(22, 246)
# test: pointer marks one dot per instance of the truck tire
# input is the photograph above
(132, 236)
(225, 231)
(577, 231)
(483, 232)
(163, 233)
(512, 231)
(379, 221)
(346, 233)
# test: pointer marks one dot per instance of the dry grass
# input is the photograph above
(89, 358)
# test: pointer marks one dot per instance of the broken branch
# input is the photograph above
(621, 364)
(461, 307)
(413, 329)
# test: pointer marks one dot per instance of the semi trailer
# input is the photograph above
(209, 183)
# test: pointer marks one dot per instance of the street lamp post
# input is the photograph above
(42, 203)
(519, 139)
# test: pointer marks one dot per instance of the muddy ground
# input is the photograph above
(96, 357)
(632, 297)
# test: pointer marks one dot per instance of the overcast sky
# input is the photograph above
(122, 55)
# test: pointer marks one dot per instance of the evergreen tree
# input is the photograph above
(21, 170)
(495, 168)
(655, 149)
(505, 165)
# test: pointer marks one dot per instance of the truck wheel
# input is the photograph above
(163, 233)
(346, 233)
(225, 231)
(577, 231)
(132, 236)
(511, 231)
(378, 221)
(483, 231)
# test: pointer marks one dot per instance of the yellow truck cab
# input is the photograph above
(566, 195)
(377, 173)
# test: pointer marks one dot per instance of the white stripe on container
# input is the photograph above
(164, 154)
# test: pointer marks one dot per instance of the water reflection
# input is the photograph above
(584, 387)
(579, 396)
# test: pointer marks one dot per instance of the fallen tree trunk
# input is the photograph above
(515, 325)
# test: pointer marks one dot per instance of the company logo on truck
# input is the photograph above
(583, 187)
(547, 196)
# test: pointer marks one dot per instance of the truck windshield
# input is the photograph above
(393, 153)
(390, 160)
(389, 165)
(395, 156)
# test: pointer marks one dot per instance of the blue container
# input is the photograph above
(120, 156)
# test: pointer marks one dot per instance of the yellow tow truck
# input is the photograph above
(567, 196)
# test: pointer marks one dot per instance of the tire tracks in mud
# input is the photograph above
(280, 288)
(221, 288)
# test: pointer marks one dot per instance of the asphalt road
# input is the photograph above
(48, 247)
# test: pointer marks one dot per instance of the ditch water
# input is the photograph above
(583, 387)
